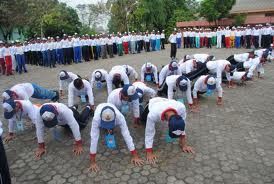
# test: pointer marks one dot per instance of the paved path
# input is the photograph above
(234, 144)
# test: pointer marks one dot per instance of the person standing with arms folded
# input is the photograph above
(172, 41)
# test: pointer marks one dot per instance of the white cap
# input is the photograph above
(183, 82)
(5, 96)
(174, 64)
(98, 74)
(188, 57)
(108, 115)
(62, 74)
(148, 65)
(1, 41)
(211, 81)
(48, 116)
(131, 90)
(7, 107)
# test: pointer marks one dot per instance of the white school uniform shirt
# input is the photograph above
(153, 70)
(24, 91)
(59, 45)
(238, 33)
(158, 36)
(252, 65)
(208, 34)
(171, 85)
(147, 91)
(152, 36)
(166, 72)
(187, 66)
(65, 43)
(163, 35)
(185, 34)
(146, 38)
(219, 33)
(109, 41)
(157, 107)
(241, 57)
(103, 78)
(28, 110)
(119, 122)
(103, 41)
(44, 46)
(76, 42)
(64, 117)
(119, 40)
(227, 33)
(73, 92)
(179, 35)
(63, 83)
(201, 57)
(131, 72)
(132, 38)
(7, 52)
(125, 38)
(172, 38)
(268, 31)
(115, 98)
(51, 45)
(248, 32)
(256, 32)
(201, 86)
(116, 70)
(259, 52)
(218, 67)
(19, 50)
(2, 50)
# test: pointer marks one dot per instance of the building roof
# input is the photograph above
(248, 6)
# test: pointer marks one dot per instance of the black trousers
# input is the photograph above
(256, 41)
(4, 167)
(248, 39)
(139, 45)
(115, 51)
(148, 46)
(200, 70)
(223, 41)
(185, 42)
(163, 89)
(173, 50)
(95, 53)
(162, 43)
(144, 113)
(209, 43)
(83, 117)
(86, 53)
(110, 50)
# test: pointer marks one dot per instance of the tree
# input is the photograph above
(239, 19)
(12, 13)
(214, 10)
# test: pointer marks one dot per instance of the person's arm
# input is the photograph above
(90, 95)
(170, 92)
(109, 83)
(135, 74)
(142, 75)
(11, 135)
(94, 135)
(125, 78)
(92, 79)
(74, 126)
(149, 136)
(40, 138)
(129, 141)
(188, 94)
(135, 108)
(162, 76)
(183, 143)
(155, 72)
(70, 95)
(188, 68)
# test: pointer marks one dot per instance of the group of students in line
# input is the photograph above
(179, 85)
(75, 49)
(257, 36)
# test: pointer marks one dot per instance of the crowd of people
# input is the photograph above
(50, 51)
(179, 85)
(257, 36)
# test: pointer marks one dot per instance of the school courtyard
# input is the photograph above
(233, 143)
